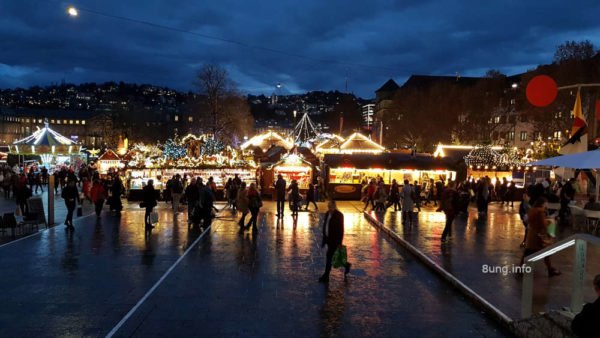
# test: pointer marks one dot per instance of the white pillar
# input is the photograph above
(578, 275)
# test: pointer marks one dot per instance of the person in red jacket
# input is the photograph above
(98, 195)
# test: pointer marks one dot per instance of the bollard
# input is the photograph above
(50, 200)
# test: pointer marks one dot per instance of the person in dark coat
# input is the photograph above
(117, 190)
(333, 236)
(449, 205)
(310, 197)
(294, 197)
(280, 192)
(586, 323)
(192, 195)
(395, 195)
(71, 195)
(207, 200)
(149, 202)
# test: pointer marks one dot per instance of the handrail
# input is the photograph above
(580, 242)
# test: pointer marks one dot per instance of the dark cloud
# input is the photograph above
(370, 41)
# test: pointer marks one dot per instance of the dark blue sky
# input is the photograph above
(371, 40)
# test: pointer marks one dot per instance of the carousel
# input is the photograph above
(50, 147)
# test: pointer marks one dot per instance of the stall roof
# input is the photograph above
(386, 161)
(359, 143)
(109, 155)
(268, 139)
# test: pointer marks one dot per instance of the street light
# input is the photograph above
(72, 11)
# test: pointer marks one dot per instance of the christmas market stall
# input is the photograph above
(498, 164)
(346, 173)
(50, 147)
(108, 161)
(292, 166)
(192, 156)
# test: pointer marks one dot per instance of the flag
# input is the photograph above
(578, 139)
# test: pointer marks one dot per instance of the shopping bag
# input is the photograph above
(552, 230)
(79, 211)
(340, 258)
(154, 217)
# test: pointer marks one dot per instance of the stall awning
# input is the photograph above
(388, 161)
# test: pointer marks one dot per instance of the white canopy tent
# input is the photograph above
(583, 160)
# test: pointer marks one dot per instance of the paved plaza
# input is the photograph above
(222, 283)
(493, 241)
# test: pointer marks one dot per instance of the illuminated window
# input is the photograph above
(510, 135)
(191, 119)
(76, 121)
(176, 118)
(523, 136)
(40, 121)
(82, 121)
(27, 120)
(57, 121)
(65, 121)
(51, 121)
(70, 121)
(557, 134)
(497, 119)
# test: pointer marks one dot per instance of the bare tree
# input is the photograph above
(573, 50)
(221, 107)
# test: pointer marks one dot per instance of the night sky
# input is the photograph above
(370, 41)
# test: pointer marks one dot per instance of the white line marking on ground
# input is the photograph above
(42, 231)
(156, 285)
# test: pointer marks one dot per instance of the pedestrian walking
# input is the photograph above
(395, 195)
(523, 211)
(537, 233)
(417, 195)
(280, 189)
(449, 205)
(254, 204)
(117, 189)
(369, 194)
(98, 195)
(407, 195)
(71, 196)
(381, 197)
(22, 192)
(148, 203)
(333, 237)
(192, 195)
(310, 197)
(294, 197)
(207, 200)
(176, 191)
(243, 203)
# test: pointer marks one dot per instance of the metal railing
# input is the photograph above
(580, 242)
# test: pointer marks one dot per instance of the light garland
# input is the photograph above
(375, 147)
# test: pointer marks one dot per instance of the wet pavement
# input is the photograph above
(230, 284)
(493, 241)
(60, 213)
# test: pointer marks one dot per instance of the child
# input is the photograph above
(523, 209)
